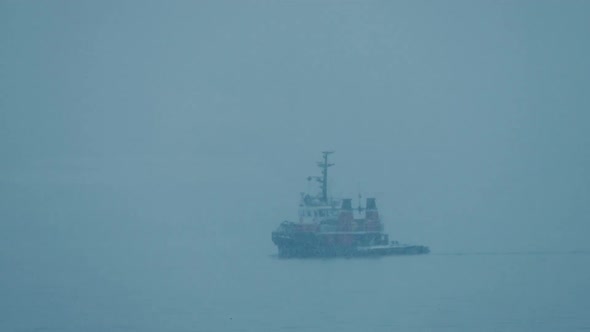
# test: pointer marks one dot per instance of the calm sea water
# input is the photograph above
(80, 271)
(193, 292)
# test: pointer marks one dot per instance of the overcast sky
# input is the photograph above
(468, 120)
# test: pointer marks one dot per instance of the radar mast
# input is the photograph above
(324, 165)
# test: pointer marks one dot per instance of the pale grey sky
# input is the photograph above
(467, 119)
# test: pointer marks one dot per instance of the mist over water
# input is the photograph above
(148, 149)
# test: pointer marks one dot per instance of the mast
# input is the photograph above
(324, 179)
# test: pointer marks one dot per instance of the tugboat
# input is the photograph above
(329, 227)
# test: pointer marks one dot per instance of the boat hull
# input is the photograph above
(393, 250)
(306, 245)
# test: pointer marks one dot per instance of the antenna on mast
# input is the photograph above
(324, 179)
(360, 208)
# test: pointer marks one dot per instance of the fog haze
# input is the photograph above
(142, 137)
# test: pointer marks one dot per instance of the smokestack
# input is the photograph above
(371, 210)
(346, 215)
